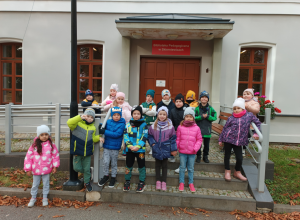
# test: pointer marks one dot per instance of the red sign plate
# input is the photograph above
(171, 47)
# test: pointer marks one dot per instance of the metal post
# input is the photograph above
(57, 125)
(12, 122)
(50, 119)
(8, 129)
(268, 123)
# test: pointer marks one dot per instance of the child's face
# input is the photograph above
(204, 100)
(120, 100)
(89, 118)
(189, 118)
(178, 103)
(190, 98)
(237, 109)
(162, 115)
(136, 115)
(113, 92)
(44, 137)
(149, 98)
(116, 117)
(166, 97)
(89, 97)
(247, 96)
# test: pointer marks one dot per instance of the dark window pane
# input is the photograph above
(18, 51)
(18, 82)
(97, 84)
(245, 56)
(19, 69)
(19, 96)
(97, 71)
(244, 75)
(84, 53)
(257, 88)
(7, 51)
(97, 52)
(81, 96)
(7, 68)
(84, 70)
(84, 84)
(241, 88)
(259, 56)
(258, 75)
(7, 96)
(98, 97)
(7, 82)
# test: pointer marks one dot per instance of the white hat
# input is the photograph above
(115, 87)
(239, 102)
(42, 129)
(249, 90)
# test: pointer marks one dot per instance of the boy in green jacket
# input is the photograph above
(82, 143)
(205, 115)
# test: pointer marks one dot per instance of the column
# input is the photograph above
(124, 87)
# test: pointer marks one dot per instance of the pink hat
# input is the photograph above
(249, 90)
(120, 94)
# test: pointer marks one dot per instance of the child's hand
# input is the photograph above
(220, 144)
(255, 136)
(133, 148)
(153, 145)
(111, 105)
(204, 115)
(28, 173)
(108, 102)
(83, 117)
(102, 140)
(173, 153)
(54, 170)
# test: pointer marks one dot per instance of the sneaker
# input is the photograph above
(126, 186)
(205, 159)
(45, 201)
(158, 185)
(172, 160)
(31, 202)
(140, 188)
(164, 186)
(150, 151)
(178, 169)
(192, 188)
(112, 182)
(89, 187)
(198, 160)
(92, 173)
(181, 187)
(103, 181)
(243, 152)
(124, 153)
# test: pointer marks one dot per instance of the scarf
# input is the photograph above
(239, 115)
(188, 123)
(162, 123)
(204, 108)
(166, 102)
(189, 101)
(136, 123)
(255, 99)
(148, 103)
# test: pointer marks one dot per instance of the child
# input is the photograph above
(188, 141)
(113, 140)
(112, 95)
(235, 135)
(82, 143)
(135, 136)
(205, 115)
(166, 101)
(89, 101)
(190, 99)
(162, 139)
(41, 159)
(251, 103)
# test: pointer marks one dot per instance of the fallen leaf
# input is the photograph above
(40, 216)
(57, 216)
(118, 211)
(110, 205)
(146, 216)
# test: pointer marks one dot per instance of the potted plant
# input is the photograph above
(266, 104)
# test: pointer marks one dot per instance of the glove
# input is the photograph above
(101, 130)
(108, 102)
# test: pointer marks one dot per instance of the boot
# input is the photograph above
(205, 159)
(227, 175)
(198, 160)
(238, 175)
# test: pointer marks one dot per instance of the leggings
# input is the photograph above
(238, 156)
(205, 149)
(130, 158)
(163, 164)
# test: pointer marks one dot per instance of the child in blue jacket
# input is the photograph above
(113, 132)
(135, 137)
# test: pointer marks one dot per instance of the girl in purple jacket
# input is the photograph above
(162, 139)
(235, 136)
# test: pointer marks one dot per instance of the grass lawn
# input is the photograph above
(285, 189)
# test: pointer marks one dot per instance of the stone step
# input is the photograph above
(205, 198)
(201, 179)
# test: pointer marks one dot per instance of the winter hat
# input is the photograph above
(89, 111)
(179, 97)
(165, 92)
(115, 110)
(239, 102)
(42, 129)
(191, 93)
(189, 111)
(89, 92)
(138, 108)
(115, 87)
(150, 92)
(120, 94)
(163, 108)
(249, 90)
(204, 93)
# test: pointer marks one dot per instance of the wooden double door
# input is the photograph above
(176, 75)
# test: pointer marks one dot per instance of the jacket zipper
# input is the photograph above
(188, 135)
(228, 133)
(237, 142)
(74, 146)
(87, 132)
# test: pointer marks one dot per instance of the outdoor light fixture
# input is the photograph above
(208, 36)
(137, 35)
(243, 51)
(94, 49)
(172, 36)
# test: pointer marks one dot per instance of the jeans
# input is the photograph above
(186, 161)
(110, 157)
(238, 156)
(36, 183)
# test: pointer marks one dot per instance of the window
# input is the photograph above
(11, 73)
(90, 70)
(253, 69)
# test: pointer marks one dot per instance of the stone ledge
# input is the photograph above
(282, 208)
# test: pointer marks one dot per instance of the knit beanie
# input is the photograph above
(89, 92)
(137, 108)
(204, 93)
(163, 108)
(89, 111)
(150, 92)
(165, 92)
(42, 129)
(249, 90)
(115, 110)
(179, 97)
(189, 111)
(120, 94)
(115, 87)
(239, 102)
(190, 93)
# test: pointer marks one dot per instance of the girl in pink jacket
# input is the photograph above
(188, 141)
(41, 159)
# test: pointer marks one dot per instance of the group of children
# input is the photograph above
(168, 127)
